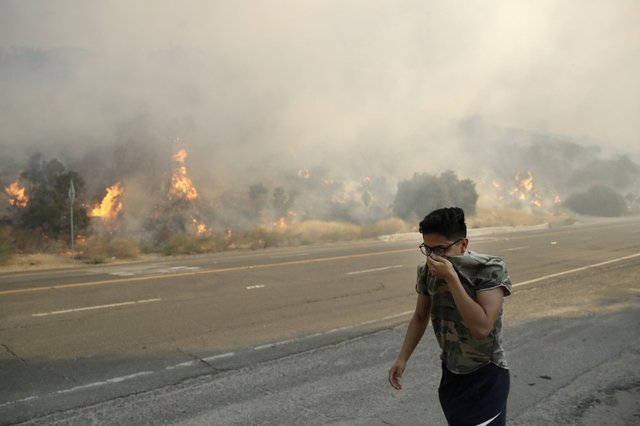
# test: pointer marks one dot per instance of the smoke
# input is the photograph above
(326, 100)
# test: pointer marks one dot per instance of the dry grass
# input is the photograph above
(102, 249)
(99, 249)
(487, 218)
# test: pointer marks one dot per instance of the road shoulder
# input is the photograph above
(607, 394)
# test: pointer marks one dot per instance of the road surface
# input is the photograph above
(306, 335)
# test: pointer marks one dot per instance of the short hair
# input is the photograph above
(448, 221)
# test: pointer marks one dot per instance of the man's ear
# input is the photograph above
(464, 244)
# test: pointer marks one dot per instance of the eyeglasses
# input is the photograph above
(438, 251)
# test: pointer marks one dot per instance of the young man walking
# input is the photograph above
(462, 293)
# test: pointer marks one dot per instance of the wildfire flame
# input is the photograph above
(524, 189)
(16, 194)
(283, 221)
(304, 173)
(201, 228)
(110, 205)
(181, 184)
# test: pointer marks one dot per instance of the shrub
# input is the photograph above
(598, 200)
(424, 193)
(97, 249)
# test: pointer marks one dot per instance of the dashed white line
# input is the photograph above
(225, 355)
(334, 330)
(374, 270)
(516, 248)
(30, 398)
(254, 287)
(105, 382)
(113, 305)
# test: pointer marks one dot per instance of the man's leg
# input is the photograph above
(476, 399)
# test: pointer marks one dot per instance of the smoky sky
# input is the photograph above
(350, 88)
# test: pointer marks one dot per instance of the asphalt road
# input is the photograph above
(303, 335)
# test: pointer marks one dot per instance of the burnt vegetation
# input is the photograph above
(136, 194)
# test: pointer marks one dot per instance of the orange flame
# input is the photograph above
(283, 221)
(16, 194)
(181, 184)
(201, 228)
(110, 205)
(304, 173)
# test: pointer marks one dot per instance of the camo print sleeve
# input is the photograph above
(421, 279)
(492, 275)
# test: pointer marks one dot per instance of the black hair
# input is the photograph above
(447, 221)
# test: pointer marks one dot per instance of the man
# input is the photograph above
(462, 293)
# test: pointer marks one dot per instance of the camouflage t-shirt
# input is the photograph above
(461, 352)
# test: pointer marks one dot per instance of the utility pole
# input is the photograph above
(72, 197)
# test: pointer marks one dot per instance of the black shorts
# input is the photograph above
(475, 399)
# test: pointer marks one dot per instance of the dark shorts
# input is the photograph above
(478, 398)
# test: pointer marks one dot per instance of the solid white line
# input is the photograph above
(374, 270)
(516, 248)
(113, 305)
(576, 270)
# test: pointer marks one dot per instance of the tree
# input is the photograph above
(598, 200)
(49, 204)
(423, 193)
(258, 196)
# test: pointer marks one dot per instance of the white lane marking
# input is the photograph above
(106, 382)
(30, 398)
(272, 345)
(375, 270)
(226, 355)
(516, 248)
(348, 327)
(253, 287)
(595, 265)
(194, 362)
(113, 305)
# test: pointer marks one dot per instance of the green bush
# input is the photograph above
(599, 200)
(424, 193)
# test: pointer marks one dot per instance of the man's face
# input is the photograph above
(453, 247)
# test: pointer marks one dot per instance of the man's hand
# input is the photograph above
(395, 374)
(440, 267)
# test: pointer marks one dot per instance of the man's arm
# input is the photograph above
(479, 315)
(415, 331)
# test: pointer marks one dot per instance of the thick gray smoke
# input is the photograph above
(324, 105)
